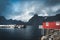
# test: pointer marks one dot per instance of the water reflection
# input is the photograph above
(28, 33)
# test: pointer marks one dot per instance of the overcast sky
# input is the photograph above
(25, 9)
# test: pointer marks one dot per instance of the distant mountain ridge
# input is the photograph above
(4, 21)
(35, 20)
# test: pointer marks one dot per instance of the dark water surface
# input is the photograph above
(28, 33)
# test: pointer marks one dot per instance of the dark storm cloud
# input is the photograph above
(52, 2)
(3, 4)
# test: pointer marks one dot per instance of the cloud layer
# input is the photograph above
(25, 9)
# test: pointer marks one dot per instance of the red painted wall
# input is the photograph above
(51, 25)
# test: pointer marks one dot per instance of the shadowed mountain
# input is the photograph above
(50, 18)
(2, 20)
(53, 18)
(58, 16)
(36, 20)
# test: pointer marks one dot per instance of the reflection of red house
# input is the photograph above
(51, 25)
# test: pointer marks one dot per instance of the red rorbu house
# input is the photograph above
(52, 22)
(51, 25)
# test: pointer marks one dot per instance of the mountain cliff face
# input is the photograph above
(36, 20)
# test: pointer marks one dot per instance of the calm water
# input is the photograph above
(28, 33)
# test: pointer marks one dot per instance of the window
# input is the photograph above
(57, 23)
(47, 24)
(40, 27)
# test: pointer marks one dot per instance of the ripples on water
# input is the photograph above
(28, 33)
